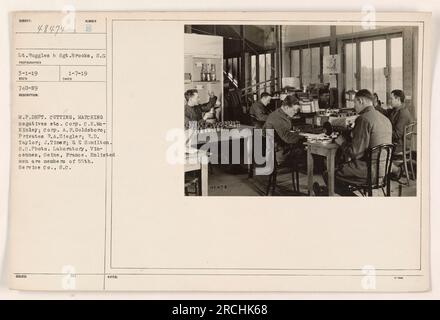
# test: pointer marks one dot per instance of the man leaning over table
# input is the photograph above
(288, 144)
(371, 129)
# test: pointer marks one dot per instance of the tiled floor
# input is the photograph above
(226, 182)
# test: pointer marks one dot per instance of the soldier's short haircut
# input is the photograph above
(364, 93)
(399, 94)
(189, 93)
(264, 95)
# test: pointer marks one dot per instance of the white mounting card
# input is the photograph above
(98, 160)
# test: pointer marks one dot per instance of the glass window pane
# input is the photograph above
(292, 64)
(268, 70)
(350, 66)
(396, 63)
(325, 52)
(380, 62)
(262, 67)
(306, 68)
(367, 65)
(295, 63)
(253, 72)
(239, 69)
(316, 65)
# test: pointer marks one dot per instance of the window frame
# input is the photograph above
(228, 62)
(271, 86)
(358, 72)
(319, 45)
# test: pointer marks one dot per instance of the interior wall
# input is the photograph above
(302, 33)
(344, 30)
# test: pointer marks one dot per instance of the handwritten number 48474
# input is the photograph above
(46, 28)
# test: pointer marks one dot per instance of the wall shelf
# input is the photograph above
(204, 50)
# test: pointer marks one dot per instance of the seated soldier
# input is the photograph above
(400, 117)
(286, 141)
(371, 129)
(259, 110)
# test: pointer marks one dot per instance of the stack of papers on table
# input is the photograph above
(316, 137)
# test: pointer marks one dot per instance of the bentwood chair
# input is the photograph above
(278, 169)
(378, 160)
(405, 157)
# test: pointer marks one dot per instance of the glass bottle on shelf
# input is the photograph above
(213, 75)
(208, 74)
(203, 73)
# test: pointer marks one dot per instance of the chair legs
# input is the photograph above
(387, 192)
(270, 189)
(413, 173)
(251, 169)
(408, 162)
(367, 192)
(388, 187)
(295, 180)
(274, 183)
(405, 166)
(198, 187)
(269, 184)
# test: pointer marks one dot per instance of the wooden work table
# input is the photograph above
(198, 160)
(328, 150)
(215, 138)
(241, 132)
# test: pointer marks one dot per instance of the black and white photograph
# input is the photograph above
(301, 110)
(114, 188)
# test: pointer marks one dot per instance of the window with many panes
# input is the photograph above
(379, 68)
(350, 66)
(262, 73)
(306, 63)
(396, 63)
(232, 67)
